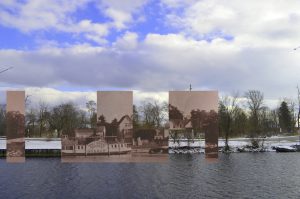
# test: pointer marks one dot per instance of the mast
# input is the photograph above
(3, 70)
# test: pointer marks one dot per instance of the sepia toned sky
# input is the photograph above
(150, 46)
(15, 101)
(186, 101)
(114, 104)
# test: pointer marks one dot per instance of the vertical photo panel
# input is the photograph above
(110, 139)
(117, 135)
(114, 125)
(15, 126)
(150, 132)
(2, 124)
(193, 118)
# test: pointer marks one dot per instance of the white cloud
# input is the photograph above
(128, 41)
(157, 64)
(252, 23)
(36, 15)
(120, 18)
(52, 97)
(122, 12)
(177, 3)
(59, 15)
(259, 57)
(141, 96)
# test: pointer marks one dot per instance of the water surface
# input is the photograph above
(239, 175)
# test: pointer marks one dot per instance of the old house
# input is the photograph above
(125, 129)
(101, 132)
(84, 133)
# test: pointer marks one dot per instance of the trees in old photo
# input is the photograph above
(44, 120)
(15, 124)
(238, 116)
(92, 113)
(151, 114)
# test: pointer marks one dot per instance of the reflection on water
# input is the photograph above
(240, 175)
(124, 158)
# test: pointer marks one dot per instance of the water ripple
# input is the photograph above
(245, 175)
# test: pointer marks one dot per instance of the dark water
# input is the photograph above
(244, 175)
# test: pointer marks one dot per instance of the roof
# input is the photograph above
(188, 123)
(125, 116)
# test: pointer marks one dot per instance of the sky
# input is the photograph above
(67, 50)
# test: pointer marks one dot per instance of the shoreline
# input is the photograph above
(51, 147)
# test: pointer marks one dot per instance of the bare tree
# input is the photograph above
(154, 114)
(147, 114)
(31, 120)
(228, 110)
(43, 117)
(82, 119)
(91, 106)
(65, 118)
(27, 100)
(275, 120)
(135, 117)
(255, 101)
(298, 115)
(160, 113)
(292, 105)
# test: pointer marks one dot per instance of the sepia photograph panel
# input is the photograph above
(110, 139)
(193, 121)
(15, 126)
(150, 131)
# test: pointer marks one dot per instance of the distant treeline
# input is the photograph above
(252, 118)
(47, 121)
(239, 116)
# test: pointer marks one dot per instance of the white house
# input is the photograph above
(125, 129)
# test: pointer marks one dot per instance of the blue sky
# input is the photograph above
(150, 18)
(151, 46)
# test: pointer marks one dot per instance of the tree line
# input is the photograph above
(47, 121)
(253, 119)
(236, 118)
(53, 121)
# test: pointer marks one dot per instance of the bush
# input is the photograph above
(255, 143)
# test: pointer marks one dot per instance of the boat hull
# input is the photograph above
(94, 154)
(285, 150)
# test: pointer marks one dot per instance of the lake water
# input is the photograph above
(238, 175)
